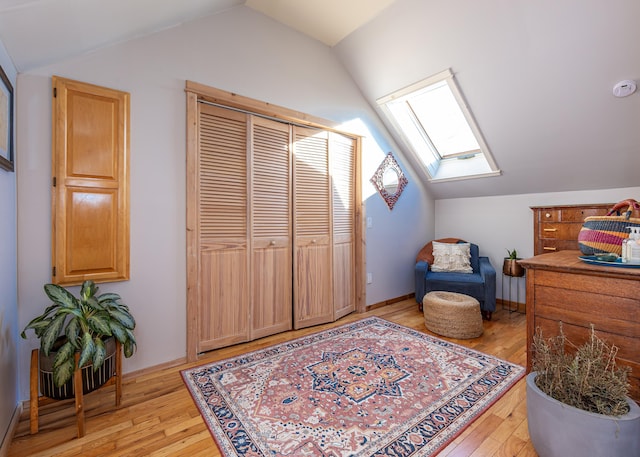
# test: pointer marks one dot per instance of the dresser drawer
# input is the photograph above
(550, 245)
(607, 289)
(559, 231)
(549, 215)
(579, 214)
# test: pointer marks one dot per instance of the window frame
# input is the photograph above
(438, 168)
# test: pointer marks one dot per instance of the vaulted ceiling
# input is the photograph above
(538, 76)
(38, 32)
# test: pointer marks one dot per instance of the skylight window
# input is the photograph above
(438, 128)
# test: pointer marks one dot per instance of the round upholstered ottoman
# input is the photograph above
(452, 314)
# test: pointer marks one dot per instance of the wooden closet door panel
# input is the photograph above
(312, 292)
(271, 261)
(271, 307)
(224, 298)
(90, 198)
(313, 301)
(223, 308)
(90, 215)
(343, 284)
(342, 164)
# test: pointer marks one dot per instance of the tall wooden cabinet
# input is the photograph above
(271, 226)
(562, 288)
(556, 228)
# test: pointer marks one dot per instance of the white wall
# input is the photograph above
(8, 281)
(499, 223)
(240, 51)
(395, 238)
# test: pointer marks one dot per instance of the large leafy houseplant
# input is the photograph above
(81, 324)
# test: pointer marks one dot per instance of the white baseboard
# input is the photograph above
(8, 436)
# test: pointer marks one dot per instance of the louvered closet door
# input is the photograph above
(223, 315)
(313, 300)
(342, 165)
(271, 260)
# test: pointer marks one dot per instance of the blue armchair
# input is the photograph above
(481, 284)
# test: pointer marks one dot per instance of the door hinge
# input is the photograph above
(53, 271)
(55, 92)
(54, 181)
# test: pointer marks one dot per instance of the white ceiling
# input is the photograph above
(328, 21)
(538, 75)
(39, 32)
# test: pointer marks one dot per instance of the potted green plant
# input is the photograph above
(510, 266)
(88, 325)
(577, 400)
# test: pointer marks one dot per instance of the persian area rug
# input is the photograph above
(370, 388)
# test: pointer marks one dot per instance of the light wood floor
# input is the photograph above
(158, 417)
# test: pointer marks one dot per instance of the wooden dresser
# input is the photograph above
(556, 228)
(561, 287)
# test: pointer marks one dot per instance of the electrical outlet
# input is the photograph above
(369, 278)
(369, 222)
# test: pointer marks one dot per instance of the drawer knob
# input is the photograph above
(273, 243)
(550, 230)
(549, 248)
(547, 215)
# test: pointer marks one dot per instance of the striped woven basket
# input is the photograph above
(600, 234)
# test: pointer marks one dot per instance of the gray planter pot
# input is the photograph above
(560, 430)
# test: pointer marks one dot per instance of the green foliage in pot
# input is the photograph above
(513, 255)
(83, 323)
(585, 377)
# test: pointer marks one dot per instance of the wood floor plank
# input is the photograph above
(527, 451)
(159, 418)
(488, 447)
(481, 431)
(510, 447)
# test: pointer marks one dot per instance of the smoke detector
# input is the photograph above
(624, 88)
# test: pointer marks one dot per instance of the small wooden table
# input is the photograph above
(561, 287)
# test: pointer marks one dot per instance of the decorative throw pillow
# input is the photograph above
(426, 253)
(452, 257)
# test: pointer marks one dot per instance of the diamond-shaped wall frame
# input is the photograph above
(389, 180)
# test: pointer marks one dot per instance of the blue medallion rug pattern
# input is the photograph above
(369, 388)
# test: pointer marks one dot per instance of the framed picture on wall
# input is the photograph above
(6, 122)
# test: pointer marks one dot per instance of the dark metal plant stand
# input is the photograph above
(513, 271)
(36, 399)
